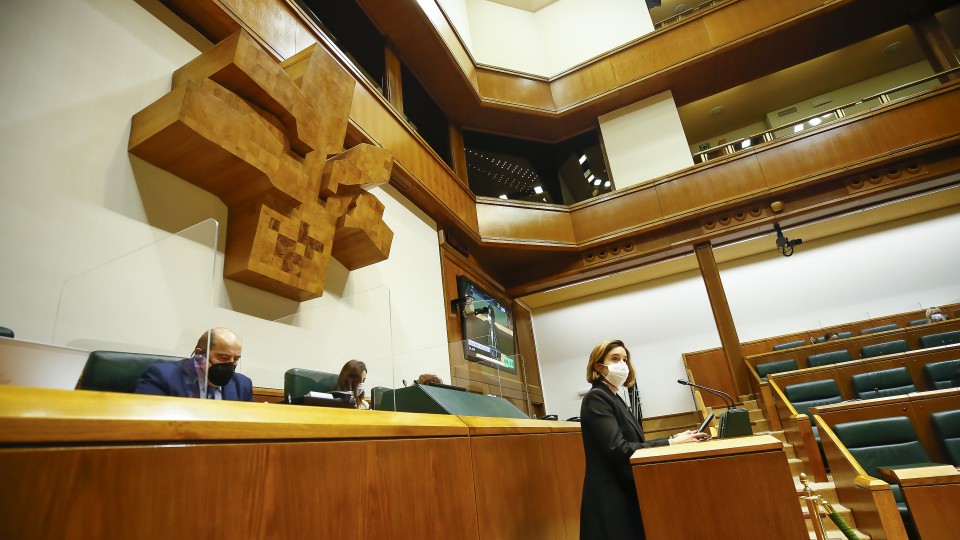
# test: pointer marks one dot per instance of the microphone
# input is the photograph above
(725, 396)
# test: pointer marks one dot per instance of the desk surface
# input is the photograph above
(713, 448)
(32, 415)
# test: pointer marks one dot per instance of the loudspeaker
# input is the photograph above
(735, 423)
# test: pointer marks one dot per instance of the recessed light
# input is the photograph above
(892, 48)
(596, 182)
(716, 110)
(606, 184)
(537, 189)
(745, 144)
(815, 121)
(583, 158)
(680, 9)
(503, 196)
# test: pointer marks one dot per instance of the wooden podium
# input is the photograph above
(731, 488)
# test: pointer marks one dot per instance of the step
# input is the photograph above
(837, 535)
(760, 425)
(796, 466)
(779, 435)
(826, 489)
(746, 397)
(756, 414)
(751, 404)
(828, 524)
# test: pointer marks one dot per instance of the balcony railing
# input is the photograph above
(686, 14)
(823, 117)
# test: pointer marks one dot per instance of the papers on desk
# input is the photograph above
(323, 395)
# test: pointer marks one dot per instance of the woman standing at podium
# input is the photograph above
(609, 508)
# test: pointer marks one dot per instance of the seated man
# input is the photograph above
(183, 379)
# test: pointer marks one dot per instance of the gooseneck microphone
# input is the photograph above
(725, 396)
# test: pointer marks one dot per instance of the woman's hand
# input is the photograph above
(689, 436)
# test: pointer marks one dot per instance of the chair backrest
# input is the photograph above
(943, 338)
(887, 382)
(918, 322)
(875, 329)
(298, 381)
(880, 349)
(776, 367)
(376, 398)
(790, 345)
(882, 442)
(812, 394)
(111, 371)
(844, 335)
(940, 374)
(827, 358)
(6, 332)
(947, 426)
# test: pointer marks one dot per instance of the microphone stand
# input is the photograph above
(734, 422)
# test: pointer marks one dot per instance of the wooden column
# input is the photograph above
(459, 154)
(936, 45)
(394, 84)
(721, 315)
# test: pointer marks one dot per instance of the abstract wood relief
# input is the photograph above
(267, 138)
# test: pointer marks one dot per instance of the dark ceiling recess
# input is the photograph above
(516, 169)
(425, 116)
(354, 34)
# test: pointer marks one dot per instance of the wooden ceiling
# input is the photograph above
(816, 32)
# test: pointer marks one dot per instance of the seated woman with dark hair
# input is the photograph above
(352, 378)
(830, 336)
(429, 378)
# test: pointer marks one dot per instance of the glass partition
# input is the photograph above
(156, 299)
(306, 351)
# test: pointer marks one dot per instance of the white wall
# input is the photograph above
(891, 268)
(73, 199)
(552, 39)
(456, 11)
(645, 140)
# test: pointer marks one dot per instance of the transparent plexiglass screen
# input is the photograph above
(153, 299)
(306, 351)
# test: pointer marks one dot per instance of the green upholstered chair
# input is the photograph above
(827, 358)
(776, 367)
(918, 322)
(940, 374)
(111, 371)
(844, 335)
(790, 345)
(6, 332)
(376, 398)
(812, 394)
(880, 349)
(298, 382)
(947, 426)
(887, 382)
(884, 442)
(943, 338)
(876, 329)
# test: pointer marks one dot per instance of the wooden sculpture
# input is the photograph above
(267, 138)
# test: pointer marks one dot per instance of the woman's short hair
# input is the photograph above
(350, 377)
(931, 310)
(830, 335)
(600, 352)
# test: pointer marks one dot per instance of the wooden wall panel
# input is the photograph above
(534, 225)
(596, 219)
(712, 370)
(451, 39)
(571, 467)
(515, 89)
(582, 84)
(742, 18)
(518, 494)
(346, 489)
(660, 51)
(711, 186)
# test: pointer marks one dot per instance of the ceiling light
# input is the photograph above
(592, 178)
(503, 196)
(596, 182)
(583, 158)
(745, 144)
(680, 9)
(537, 189)
(892, 48)
(716, 110)
(798, 128)
(586, 173)
(814, 121)
(606, 184)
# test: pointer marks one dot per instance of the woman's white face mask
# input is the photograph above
(617, 373)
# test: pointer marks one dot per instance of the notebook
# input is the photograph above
(39, 365)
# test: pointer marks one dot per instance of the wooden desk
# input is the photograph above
(80, 464)
(933, 496)
(730, 488)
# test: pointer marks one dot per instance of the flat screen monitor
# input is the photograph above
(487, 326)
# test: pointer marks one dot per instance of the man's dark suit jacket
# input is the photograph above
(180, 379)
(609, 508)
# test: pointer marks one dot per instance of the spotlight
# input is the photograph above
(785, 245)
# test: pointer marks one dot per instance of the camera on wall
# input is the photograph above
(785, 245)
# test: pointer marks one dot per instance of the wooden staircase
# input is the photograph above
(760, 425)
